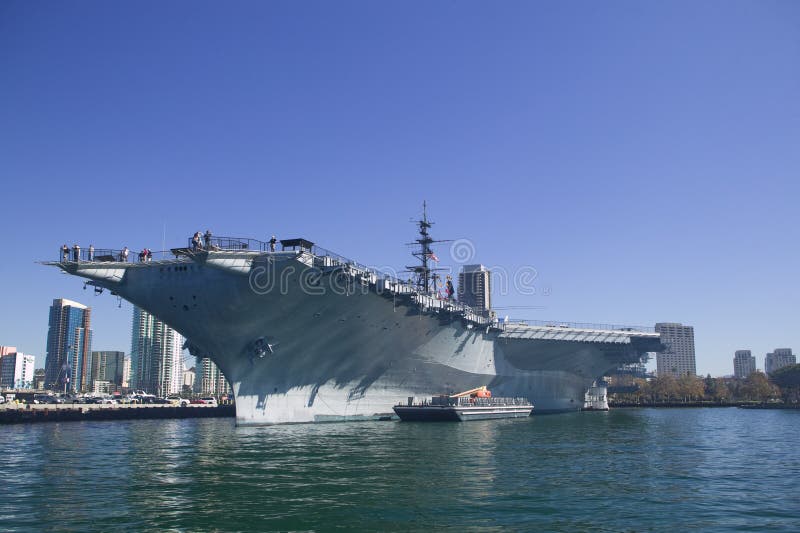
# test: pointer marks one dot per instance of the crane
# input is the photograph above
(478, 392)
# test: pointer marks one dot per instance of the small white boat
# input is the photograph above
(596, 398)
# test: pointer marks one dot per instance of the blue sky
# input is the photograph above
(641, 156)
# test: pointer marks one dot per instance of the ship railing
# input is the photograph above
(435, 303)
(386, 281)
(229, 244)
(112, 255)
(488, 402)
(98, 255)
(502, 323)
(326, 257)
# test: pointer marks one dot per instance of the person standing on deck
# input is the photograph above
(91, 252)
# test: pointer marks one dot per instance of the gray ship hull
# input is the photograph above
(301, 340)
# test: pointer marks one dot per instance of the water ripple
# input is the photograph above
(628, 470)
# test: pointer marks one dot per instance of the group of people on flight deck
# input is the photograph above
(202, 241)
(76, 253)
(199, 239)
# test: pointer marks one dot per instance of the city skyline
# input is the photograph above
(644, 178)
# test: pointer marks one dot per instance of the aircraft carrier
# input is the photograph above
(305, 335)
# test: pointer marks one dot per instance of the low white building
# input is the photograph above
(16, 371)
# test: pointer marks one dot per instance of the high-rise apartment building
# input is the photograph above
(744, 364)
(16, 371)
(209, 380)
(779, 358)
(678, 359)
(475, 288)
(156, 363)
(108, 366)
(69, 344)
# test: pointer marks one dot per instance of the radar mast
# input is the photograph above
(426, 277)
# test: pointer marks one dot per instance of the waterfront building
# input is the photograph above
(102, 387)
(779, 358)
(6, 350)
(38, 379)
(16, 371)
(678, 359)
(69, 344)
(156, 364)
(108, 366)
(126, 373)
(188, 379)
(744, 364)
(475, 288)
(209, 380)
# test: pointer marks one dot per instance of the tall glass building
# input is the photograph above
(69, 345)
(475, 288)
(156, 363)
(108, 366)
(209, 379)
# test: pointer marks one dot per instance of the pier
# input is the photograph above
(17, 414)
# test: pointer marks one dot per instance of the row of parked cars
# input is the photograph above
(141, 398)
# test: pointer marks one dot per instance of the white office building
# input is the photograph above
(678, 359)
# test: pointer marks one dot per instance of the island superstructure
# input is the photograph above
(306, 335)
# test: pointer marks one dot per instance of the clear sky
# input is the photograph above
(643, 157)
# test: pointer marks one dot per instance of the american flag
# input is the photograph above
(433, 256)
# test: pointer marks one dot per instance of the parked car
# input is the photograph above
(46, 399)
(209, 400)
(177, 400)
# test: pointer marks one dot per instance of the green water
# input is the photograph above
(627, 470)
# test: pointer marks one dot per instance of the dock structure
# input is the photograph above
(18, 413)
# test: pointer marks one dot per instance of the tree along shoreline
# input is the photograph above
(782, 387)
(741, 405)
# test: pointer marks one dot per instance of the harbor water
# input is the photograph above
(624, 470)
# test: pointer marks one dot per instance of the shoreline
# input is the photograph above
(21, 414)
(672, 405)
